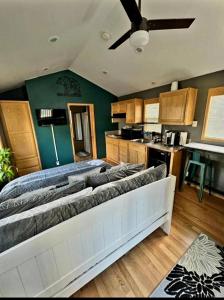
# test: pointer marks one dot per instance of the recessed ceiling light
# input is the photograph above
(53, 39)
(106, 36)
(45, 69)
(105, 72)
(153, 82)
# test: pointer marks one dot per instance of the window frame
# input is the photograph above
(211, 92)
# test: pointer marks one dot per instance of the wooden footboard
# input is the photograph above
(62, 259)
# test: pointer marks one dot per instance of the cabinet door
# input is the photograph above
(114, 108)
(18, 127)
(130, 114)
(172, 107)
(137, 154)
(123, 151)
(122, 107)
(112, 149)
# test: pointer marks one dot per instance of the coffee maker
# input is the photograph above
(171, 138)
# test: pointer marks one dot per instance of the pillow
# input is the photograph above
(20, 227)
(111, 184)
(113, 174)
(105, 168)
(38, 197)
(82, 177)
(117, 188)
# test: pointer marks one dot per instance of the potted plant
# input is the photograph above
(7, 172)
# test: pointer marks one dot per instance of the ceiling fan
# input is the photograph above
(140, 26)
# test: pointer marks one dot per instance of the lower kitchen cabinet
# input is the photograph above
(112, 149)
(125, 151)
(137, 154)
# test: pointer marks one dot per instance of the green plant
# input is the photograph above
(7, 172)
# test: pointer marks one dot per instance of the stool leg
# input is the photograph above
(185, 172)
(202, 182)
(210, 177)
(186, 165)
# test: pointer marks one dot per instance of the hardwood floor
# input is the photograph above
(138, 272)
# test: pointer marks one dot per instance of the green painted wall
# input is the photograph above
(42, 93)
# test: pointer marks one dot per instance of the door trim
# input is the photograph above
(92, 126)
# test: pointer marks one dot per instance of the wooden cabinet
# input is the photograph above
(20, 135)
(137, 153)
(151, 110)
(134, 111)
(112, 149)
(119, 107)
(132, 108)
(178, 107)
(114, 108)
(123, 151)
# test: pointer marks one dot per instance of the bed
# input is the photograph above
(60, 260)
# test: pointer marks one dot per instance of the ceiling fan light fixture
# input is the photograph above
(139, 39)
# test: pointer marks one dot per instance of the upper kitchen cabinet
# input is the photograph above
(151, 110)
(134, 111)
(178, 107)
(129, 111)
(118, 107)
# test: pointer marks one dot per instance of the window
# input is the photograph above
(213, 129)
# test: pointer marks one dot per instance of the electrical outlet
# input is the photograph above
(195, 124)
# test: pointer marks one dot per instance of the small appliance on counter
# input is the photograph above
(153, 137)
(130, 133)
(171, 138)
(183, 138)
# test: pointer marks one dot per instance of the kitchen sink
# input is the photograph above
(141, 141)
(115, 136)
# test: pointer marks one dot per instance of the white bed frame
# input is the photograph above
(62, 259)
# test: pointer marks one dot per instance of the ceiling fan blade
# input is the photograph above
(132, 11)
(121, 40)
(169, 24)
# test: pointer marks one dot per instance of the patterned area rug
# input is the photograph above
(199, 273)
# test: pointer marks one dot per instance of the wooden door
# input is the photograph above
(112, 149)
(19, 131)
(123, 151)
(172, 107)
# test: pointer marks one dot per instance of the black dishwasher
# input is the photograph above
(158, 157)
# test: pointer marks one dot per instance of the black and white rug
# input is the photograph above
(199, 273)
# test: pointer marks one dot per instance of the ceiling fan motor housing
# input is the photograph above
(139, 38)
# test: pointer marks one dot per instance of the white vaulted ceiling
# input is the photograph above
(26, 25)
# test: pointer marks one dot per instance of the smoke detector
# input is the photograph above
(106, 36)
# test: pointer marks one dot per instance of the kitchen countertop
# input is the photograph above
(158, 146)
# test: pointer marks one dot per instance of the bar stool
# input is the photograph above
(204, 166)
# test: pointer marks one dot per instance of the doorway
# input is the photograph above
(82, 127)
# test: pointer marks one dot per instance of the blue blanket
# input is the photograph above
(44, 178)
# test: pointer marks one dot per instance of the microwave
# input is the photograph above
(132, 133)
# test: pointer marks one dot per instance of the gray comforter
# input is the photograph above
(46, 178)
